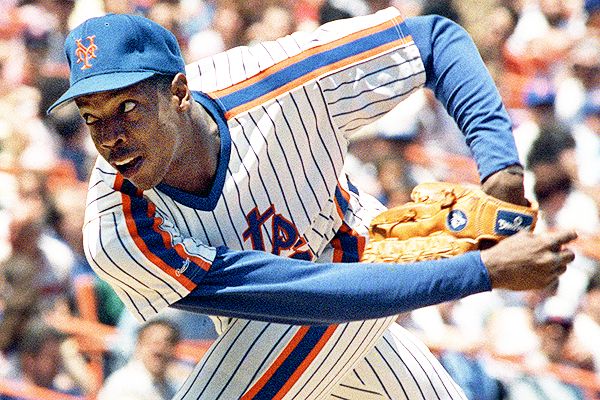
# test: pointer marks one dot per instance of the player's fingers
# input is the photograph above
(558, 261)
(557, 239)
(551, 288)
(566, 256)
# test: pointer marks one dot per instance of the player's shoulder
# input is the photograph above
(106, 189)
(244, 63)
(102, 175)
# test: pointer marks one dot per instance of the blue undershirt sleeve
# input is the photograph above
(458, 77)
(261, 286)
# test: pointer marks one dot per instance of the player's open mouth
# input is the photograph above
(129, 166)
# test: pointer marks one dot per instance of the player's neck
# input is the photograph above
(196, 166)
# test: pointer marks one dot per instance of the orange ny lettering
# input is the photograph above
(85, 54)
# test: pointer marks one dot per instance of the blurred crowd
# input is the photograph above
(64, 331)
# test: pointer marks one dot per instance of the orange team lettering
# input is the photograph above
(85, 54)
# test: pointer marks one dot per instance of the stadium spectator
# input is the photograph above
(36, 274)
(276, 22)
(553, 332)
(587, 327)
(148, 367)
(224, 32)
(592, 9)
(578, 80)
(563, 48)
(39, 362)
(562, 205)
(539, 97)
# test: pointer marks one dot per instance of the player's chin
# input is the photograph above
(143, 184)
(147, 175)
(144, 181)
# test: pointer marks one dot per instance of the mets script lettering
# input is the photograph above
(283, 235)
(85, 54)
(184, 267)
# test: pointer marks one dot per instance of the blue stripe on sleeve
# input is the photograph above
(308, 65)
(460, 80)
(352, 188)
(261, 286)
(154, 242)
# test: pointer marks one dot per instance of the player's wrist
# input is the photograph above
(489, 263)
(507, 185)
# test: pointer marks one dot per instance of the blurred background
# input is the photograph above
(65, 335)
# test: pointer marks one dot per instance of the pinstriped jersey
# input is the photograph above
(285, 110)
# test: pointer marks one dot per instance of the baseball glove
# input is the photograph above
(444, 220)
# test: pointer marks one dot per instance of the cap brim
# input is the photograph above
(100, 83)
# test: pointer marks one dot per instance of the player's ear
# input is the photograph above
(181, 95)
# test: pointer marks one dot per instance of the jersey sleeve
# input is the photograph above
(360, 67)
(387, 58)
(375, 65)
(261, 286)
(136, 249)
(459, 79)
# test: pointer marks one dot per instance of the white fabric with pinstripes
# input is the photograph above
(287, 150)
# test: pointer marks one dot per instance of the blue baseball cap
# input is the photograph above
(591, 6)
(592, 104)
(539, 92)
(116, 51)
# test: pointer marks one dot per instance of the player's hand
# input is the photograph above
(528, 261)
(507, 185)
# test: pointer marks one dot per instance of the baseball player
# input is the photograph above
(220, 191)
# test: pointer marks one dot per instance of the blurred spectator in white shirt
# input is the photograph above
(146, 375)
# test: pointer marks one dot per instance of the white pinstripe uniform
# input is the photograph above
(285, 110)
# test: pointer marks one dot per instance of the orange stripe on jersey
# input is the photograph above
(345, 198)
(346, 238)
(139, 241)
(313, 75)
(338, 252)
(141, 245)
(119, 186)
(307, 361)
(305, 54)
(276, 364)
(179, 247)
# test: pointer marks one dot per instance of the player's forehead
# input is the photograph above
(102, 99)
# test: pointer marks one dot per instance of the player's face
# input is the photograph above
(135, 130)
(156, 349)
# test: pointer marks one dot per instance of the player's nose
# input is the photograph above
(111, 137)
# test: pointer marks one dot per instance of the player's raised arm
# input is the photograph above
(434, 52)
(459, 79)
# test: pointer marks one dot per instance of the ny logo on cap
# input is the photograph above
(85, 54)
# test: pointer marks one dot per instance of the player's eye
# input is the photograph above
(89, 119)
(127, 106)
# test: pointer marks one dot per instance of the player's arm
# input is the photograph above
(151, 265)
(261, 286)
(458, 77)
(429, 51)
